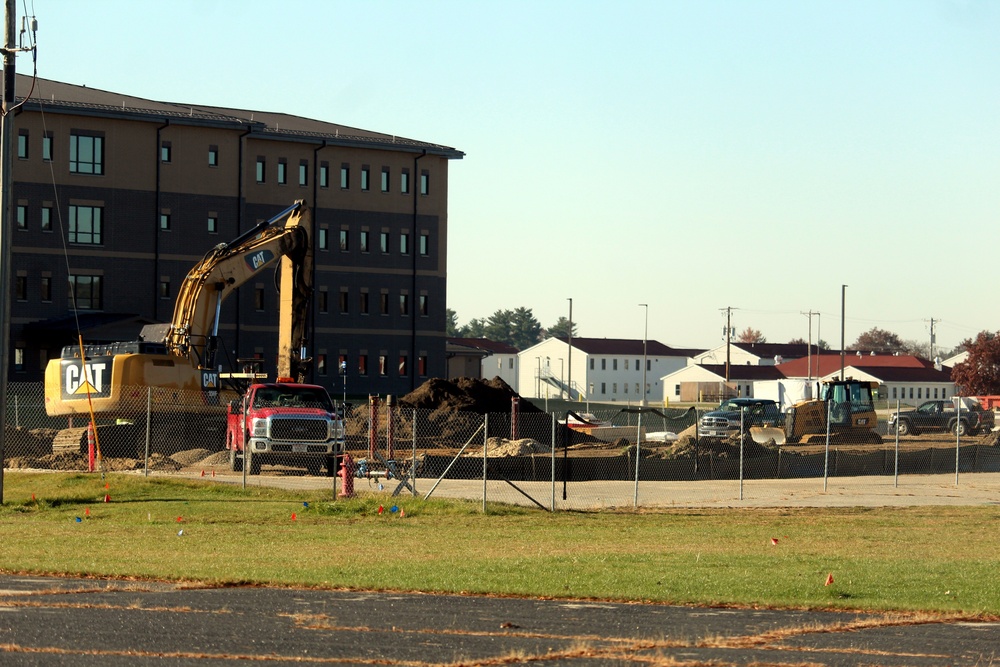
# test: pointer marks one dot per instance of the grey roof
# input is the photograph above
(627, 346)
(493, 346)
(59, 97)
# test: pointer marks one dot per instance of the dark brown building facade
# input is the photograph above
(117, 197)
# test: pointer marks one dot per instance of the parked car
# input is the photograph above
(724, 421)
(941, 416)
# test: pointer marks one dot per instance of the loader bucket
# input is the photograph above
(763, 435)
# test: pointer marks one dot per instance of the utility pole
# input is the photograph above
(729, 330)
(645, 338)
(569, 353)
(843, 296)
(809, 373)
(6, 199)
(933, 338)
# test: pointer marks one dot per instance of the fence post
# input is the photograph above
(413, 466)
(742, 412)
(895, 473)
(486, 439)
(149, 421)
(638, 444)
(958, 431)
(826, 450)
(552, 441)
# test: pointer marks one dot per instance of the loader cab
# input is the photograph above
(847, 398)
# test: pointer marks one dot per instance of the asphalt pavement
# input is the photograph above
(60, 621)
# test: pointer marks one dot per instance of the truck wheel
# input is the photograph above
(959, 428)
(903, 427)
(255, 463)
(235, 462)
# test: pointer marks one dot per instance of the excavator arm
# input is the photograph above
(286, 237)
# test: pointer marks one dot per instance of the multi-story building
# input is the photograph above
(117, 197)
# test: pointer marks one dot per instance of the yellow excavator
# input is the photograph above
(845, 410)
(181, 356)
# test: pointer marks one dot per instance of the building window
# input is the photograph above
(85, 224)
(46, 218)
(303, 172)
(364, 241)
(385, 179)
(22, 216)
(422, 365)
(425, 245)
(918, 393)
(345, 239)
(47, 147)
(344, 309)
(324, 175)
(165, 222)
(614, 387)
(604, 388)
(323, 240)
(18, 359)
(164, 288)
(423, 305)
(321, 364)
(282, 171)
(362, 364)
(363, 302)
(677, 390)
(21, 288)
(935, 392)
(404, 304)
(165, 151)
(213, 156)
(345, 176)
(258, 298)
(46, 289)
(86, 154)
(404, 244)
(614, 367)
(425, 183)
(604, 366)
(261, 169)
(365, 174)
(85, 291)
(213, 223)
(402, 366)
(22, 144)
(625, 387)
(383, 242)
(382, 365)
(324, 301)
(404, 182)
(384, 303)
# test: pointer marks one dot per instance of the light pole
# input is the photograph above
(645, 335)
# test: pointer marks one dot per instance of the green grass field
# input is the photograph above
(922, 558)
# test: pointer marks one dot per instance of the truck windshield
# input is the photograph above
(299, 397)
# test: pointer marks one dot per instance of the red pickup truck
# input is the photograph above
(284, 423)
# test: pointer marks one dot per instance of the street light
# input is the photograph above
(645, 334)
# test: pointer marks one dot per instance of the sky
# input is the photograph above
(691, 156)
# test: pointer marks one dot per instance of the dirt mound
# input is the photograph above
(465, 394)
(500, 447)
(22, 442)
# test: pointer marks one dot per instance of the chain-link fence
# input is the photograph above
(624, 457)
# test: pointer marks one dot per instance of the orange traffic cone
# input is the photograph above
(107, 497)
(829, 579)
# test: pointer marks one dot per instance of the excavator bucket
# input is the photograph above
(764, 435)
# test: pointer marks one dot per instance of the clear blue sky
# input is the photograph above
(687, 155)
